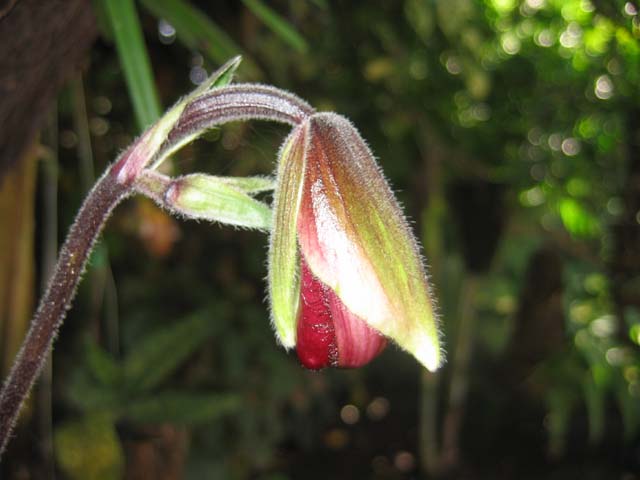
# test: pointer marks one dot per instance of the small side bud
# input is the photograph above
(219, 199)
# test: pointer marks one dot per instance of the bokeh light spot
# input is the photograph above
(350, 414)
(570, 146)
(604, 326)
(404, 461)
(604, 87)
(510, 43)
(166, 32)
(378, 408)
(630, 9)
(544, 38)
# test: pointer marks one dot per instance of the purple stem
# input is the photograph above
(104, 196)
(220, 105)
(240, 102)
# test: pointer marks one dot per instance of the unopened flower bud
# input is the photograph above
(345, 272)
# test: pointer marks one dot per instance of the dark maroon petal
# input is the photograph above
(328, 334)
(316, 339)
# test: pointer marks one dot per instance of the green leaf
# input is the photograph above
(89, 449)
(87, 394)
(125, 26)
(181, 408)
(102, 20)
(595, 402)
(579, 221)
(629, 409)
(560, 404)
(278, 25)
(198, 32)
(100, 364)
(160, 353)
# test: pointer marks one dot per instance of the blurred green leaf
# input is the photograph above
(198, 32)
(278, 25)
(561, 404)
(125, 25)
(595, 402)
(88, 394)
(321, 4)
(102, 20)
(629, 409)
(577, 219)
(89, 449)
(160, 353)
(181, 408)
(101, 365)
(420, 16)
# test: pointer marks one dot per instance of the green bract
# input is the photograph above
(221, 199)
(283, 278)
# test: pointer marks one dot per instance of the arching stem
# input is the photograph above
(184, 122)
(104, 196)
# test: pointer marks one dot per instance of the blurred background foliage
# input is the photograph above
(511, 132)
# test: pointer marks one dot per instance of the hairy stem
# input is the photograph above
(239, 102)
(181, 124)
(105, 195)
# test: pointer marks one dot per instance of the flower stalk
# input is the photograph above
(102, 199)
(209, 105)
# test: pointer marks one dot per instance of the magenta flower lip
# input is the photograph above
(328, 334)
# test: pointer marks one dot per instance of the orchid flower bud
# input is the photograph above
(222, 199)
(345, 271)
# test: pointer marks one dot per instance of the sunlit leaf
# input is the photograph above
(577, 219)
